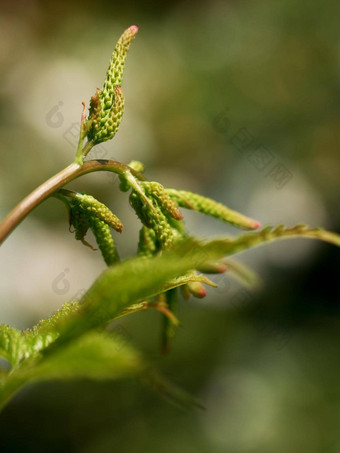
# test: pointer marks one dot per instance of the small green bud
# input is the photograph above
(210, 207)
(197, 289)
(104, 240)
(137, 166)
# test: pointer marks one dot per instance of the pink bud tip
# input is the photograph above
(201, 293)
(198, 291)
(221, 268)
(253, 224)
(134, 28)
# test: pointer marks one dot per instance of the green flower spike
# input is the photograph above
(211, 207)
(96, 209)
(114, 73)
(104, 239)
(107, 105)
(157, 191)
(152, 217)
(169, 327)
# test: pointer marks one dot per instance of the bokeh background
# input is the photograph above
(237, 100)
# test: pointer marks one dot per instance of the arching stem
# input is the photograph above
(73, 171)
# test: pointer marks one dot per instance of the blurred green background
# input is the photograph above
(237, 100)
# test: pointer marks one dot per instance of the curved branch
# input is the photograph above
(73, 171)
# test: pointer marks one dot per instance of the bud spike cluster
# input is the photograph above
(88, 213)
(156, 207)
(154, 218)
(107, 105)
(156, 211)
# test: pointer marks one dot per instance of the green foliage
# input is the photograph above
(74, 343)
(10, 344)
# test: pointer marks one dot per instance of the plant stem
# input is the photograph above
(168, 330)
(82, 152)
(46, 189)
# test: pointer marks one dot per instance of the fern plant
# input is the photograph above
(74, 342)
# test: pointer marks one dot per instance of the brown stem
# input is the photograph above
(46, 189)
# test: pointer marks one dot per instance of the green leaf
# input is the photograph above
(16, 345)
(189, 278)
(67, 345)
(46, 331)
(269, 234)
(139, 279)
(96, 356)
(11, 346)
